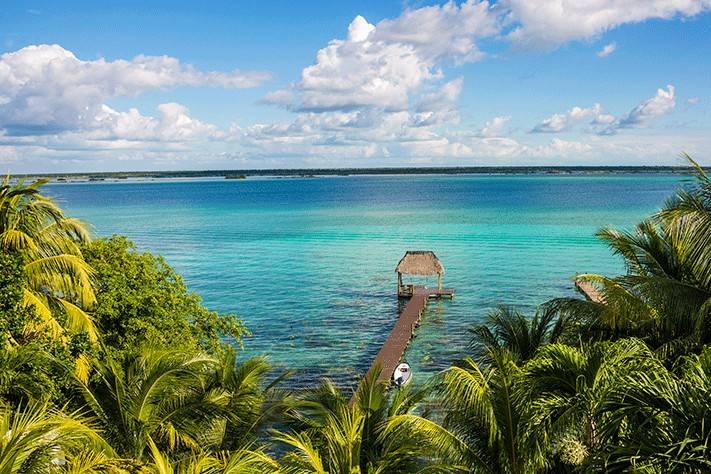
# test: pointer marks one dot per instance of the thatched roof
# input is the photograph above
(420, 262)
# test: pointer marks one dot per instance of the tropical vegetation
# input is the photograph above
(109, 364)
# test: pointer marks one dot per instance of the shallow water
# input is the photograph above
(309, 263)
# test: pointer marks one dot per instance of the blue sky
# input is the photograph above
(175, 85)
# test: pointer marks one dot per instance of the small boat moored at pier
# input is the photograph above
(402, 374)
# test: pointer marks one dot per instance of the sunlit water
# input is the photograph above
(309, 263)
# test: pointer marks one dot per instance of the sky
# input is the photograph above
(88, 86)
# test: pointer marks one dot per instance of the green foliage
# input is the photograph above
(241, 461)
(520, 335)
(660, 420)
(687, 215)
(57, 280)
(13, 315)
(485, 412)
(32, 366)
(179, 401)
(154, 395)
(251, 404)
(140, 299)
(375, 433)
(38, 439)
(567, 390)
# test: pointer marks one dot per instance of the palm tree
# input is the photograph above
(58, 279)
(40, 439)
(24, 374)
(507, 328)
(665, 297)
(688, 218)
(159, 396)
(242, 461)
(376, 433)
(485, 411)
(568, 388)
(660, 420)
(251, 402)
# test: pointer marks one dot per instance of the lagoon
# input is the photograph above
(309, 263)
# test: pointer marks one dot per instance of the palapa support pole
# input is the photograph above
(439, 282)
(399, 283)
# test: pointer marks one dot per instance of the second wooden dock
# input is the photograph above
(590, 291)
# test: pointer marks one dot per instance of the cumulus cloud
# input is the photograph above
(384, 65)
(494, 127)
(440, 106)
(174, 124)
(607, 124)
(546, 24)
(561, 122)
(360, 71)
(646, 112)
(47, 89)
(607, 50)
(442, 31)
(383, 83)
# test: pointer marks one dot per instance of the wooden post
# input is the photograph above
(439, 282)
(399, 283)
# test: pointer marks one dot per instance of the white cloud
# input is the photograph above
(606, 124)
(383, 83)
(603, 119)
(174, 124)
(548, 24)
(440, 106)
(564, 148)
(607, 50)
(385, 65)
(494, 127)
(442, 31)
(281, 97)
(436, 148)
(693, 100)
(561, 122)
(47, 89)
(362, 72)
(646, 112)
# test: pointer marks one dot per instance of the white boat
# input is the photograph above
(402, 375)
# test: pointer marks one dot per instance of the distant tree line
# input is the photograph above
(314, 172)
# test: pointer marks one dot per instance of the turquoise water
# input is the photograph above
(309, 263)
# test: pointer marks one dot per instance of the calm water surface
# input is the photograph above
(309, 263)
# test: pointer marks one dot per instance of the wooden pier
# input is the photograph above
(404, 330)
(417, 263)
(402, 333)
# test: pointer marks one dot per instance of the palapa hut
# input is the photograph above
(420, 263)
